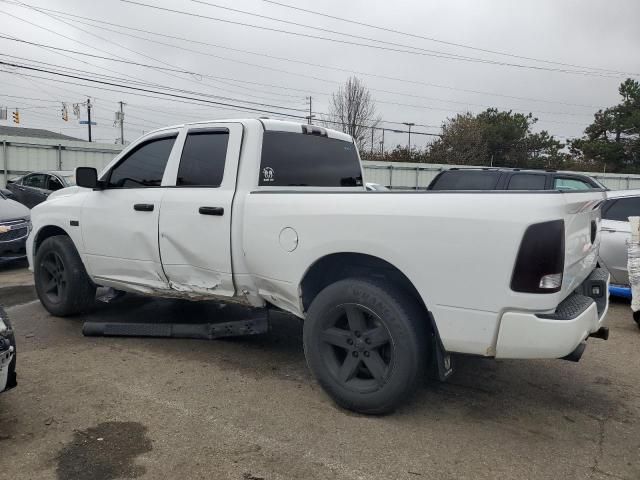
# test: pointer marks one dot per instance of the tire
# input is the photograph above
(636, 317)
(62, 283)
(366, 343)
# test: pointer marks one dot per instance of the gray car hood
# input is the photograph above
(10, 210)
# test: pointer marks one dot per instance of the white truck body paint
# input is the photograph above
(458, 249)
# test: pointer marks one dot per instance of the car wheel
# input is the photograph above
(636, 317)
(62, 283)
(366, 343)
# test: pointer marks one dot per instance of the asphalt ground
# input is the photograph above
(248, 409)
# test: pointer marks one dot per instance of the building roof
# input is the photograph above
(33, 132)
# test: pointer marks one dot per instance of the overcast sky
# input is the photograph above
(409, 77)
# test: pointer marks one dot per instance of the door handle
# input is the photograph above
(219, 211)
(143, 207)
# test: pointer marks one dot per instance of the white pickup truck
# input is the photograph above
(275, 214)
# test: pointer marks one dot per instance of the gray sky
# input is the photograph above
(408, 87)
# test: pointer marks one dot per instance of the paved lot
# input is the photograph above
(100, 408)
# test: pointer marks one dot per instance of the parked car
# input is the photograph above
(268, 213)
(511, 179)
(620, 205)
(7, 353)
(34, 188)
(15, 225)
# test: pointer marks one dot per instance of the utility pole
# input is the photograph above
(409, 124)
(121, 119)
(89, 116)
(311, 115)
(372, 141)
(382, 144)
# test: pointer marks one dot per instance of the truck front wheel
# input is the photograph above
(366, 343)
(62, 283)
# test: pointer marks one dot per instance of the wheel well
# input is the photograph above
(46, 232)
(339, 266)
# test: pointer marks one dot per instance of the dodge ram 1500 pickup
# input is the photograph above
(275, 214)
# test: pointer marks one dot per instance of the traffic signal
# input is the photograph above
(16, 116)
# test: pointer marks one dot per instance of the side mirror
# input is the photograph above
(87, 177)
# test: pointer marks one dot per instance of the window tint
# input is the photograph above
(527, 181)
(37, 180)
(297, 159)
(467, 180)
(622, 209)
(570, 184)
(144, 166)
(54, 183)
(202, 161)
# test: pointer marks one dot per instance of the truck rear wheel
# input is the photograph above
(366, 343)
(62, 283)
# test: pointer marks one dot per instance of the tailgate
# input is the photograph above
(582, 237)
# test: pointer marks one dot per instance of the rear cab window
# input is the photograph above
(466, 180)
(296, 159)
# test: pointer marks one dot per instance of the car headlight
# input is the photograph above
(3, 326)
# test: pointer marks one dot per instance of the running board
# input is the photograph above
(207, 331)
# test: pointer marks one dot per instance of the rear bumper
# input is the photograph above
(556, 334)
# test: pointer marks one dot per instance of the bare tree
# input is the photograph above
(353, 110)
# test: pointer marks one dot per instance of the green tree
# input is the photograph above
(493, 137)
(613, 139)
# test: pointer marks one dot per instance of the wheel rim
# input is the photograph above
(53, 277)
(357, 348)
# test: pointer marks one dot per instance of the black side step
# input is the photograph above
(207, 331)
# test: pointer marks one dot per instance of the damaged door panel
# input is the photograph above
(195, 216)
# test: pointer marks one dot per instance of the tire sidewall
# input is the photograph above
(406, 334)
(74, 272)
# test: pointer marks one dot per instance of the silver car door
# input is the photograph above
(613, 249)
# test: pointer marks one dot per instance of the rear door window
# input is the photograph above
(144, 166)
(467, 180)
(203, 158)
(295, 159)
(560, 183)
(620, 210)
(527, 181)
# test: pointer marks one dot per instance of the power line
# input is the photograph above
(165, 87)
(101, 24)
(299, 117)
(101, 38)
(444, 42)
(246, 101)
(416, 51)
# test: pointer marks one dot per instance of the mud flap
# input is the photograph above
(440, 358)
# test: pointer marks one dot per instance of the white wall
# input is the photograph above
(19, 155)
